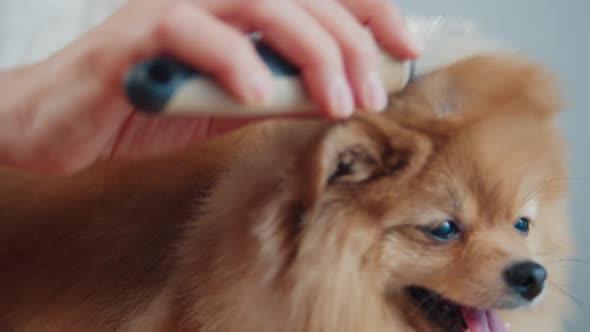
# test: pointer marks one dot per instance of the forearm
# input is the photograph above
(18, 88)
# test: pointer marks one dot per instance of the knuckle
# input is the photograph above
(377, 6)
(238, 58)
(167, 20)
(326, 54)
(374, 9)
(361, 48)
(385, 10)
(356, 5)
(255, 5)
(165, 27)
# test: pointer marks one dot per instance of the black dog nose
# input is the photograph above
(527, 279)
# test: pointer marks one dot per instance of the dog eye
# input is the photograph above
(445, 231)
(522, 225)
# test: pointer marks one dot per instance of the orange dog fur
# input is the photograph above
(304, 225)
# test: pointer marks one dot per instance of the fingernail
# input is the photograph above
(374, 92)
(258, 89)
(341, 98)
(407, 34)
(412, 41)
(415, 44)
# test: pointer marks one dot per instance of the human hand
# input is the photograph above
(70, 110)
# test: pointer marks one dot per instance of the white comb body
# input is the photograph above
(446, 41)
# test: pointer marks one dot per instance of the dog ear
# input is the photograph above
(366, 148)
(479, 86)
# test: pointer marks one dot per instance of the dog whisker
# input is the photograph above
(552, 250)
(566, 293)
(568, 260)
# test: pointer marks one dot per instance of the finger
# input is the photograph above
(387, 24)
(204, 42)
(359, 50)
(295, 34)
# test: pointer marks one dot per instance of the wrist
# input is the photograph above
(47, 110)
(21, 94)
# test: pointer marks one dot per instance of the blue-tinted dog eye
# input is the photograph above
(445, 231)
(522, 225)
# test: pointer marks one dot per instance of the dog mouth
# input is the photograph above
(448, 316)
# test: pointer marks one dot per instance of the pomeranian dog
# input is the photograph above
(441, 214)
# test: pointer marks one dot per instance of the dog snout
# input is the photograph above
(527, 279)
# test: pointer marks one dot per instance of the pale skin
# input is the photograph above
(64, 113)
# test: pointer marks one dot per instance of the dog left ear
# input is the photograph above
(363, 149)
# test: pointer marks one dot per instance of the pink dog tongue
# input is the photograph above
(479, 320)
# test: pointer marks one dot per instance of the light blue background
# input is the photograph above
(556, 33)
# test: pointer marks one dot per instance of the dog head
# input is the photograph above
(429, 217)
